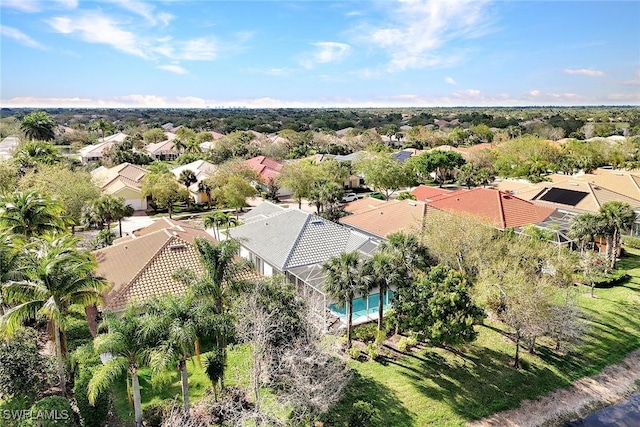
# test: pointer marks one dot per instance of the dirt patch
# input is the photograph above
(586, 395)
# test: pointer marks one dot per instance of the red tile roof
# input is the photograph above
(426, 194)
(265, 167)
(500, 209)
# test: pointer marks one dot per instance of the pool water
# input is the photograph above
(363, 306)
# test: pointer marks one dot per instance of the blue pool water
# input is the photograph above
(360, 305)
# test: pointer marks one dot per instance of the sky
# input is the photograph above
(318, 53)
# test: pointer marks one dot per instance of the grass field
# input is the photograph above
(437, 387)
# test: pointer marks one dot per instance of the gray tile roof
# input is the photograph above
(292, 238)
(261, 211)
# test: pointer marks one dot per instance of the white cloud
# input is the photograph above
(450, 81)
(98, 28)
(20, 37)
(28, 6)
(69, 4)
(142, 100)
(327, 52)
(146, 11)
(421, 29)
(584, 72)
(173, 68)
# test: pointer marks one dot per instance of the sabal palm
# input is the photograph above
(215, 220)
(584, 228)
(407, 250)
(56, 276)
(31, 214)
(123, 341)
(347, 275)
(615, 216)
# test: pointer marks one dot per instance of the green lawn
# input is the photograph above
(437, 387)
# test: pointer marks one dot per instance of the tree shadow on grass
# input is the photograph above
(390, 410)
(484, 383)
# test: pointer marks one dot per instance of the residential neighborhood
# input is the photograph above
(346, 268)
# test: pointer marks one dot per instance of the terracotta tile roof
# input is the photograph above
(119, 176)
(362, 205)
(141, 265)
(389, 217)
(425, 193)
(497, 208)
(160, 147)
(265, 167)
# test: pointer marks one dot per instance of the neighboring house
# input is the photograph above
(208, 145)
(378, 220)
(163, 150)
(406, 154)
(202, 170)
(123, 180)
(425, 193)
(496, 208)
(296, 244)
(141, 266)
(266, 168)
(93, 153)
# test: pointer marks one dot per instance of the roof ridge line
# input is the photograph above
(609, 190)
(501, 208)
(297, 240)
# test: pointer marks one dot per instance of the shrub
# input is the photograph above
(632, 242)
(403, 344)
(362, 414)
(354, 353)
(372, 351)
(412, 340)
(90, 416)
(154, 413)
(405, 195)
(78, 333)
(365, 333)
(381, 336)
(52, 411)
(23, 371)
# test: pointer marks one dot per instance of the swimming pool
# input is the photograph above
(363, 306)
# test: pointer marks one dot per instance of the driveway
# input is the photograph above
(7, 146)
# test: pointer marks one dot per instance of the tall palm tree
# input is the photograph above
(10, 245)
(347, 275)
(385, 273)
(584, 228)
(408, 251)
(205, 188)
(56, 275)
(31, 214)
(129, 351)
(179, 144)
(111, 208)
(38, 126)
(615, 216)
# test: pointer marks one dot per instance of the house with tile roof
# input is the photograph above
(163, 150)
(140, 266)
(496, 208)
(379, 219)
(265, 167)
(296, 243)
(202, 170)
(123, 180)
(424, 193)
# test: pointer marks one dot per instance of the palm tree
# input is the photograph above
(111, 208)
(37, 152)
(101, 125)
(584, 228)
(188, 177)
(10, 246)
(385, 273)
(193, 146)
(57, 275)
(203, 187)
(179, 144)
(38, 126)
(31, 214)
(216, 219)
(347, 275)
(615, 216)
(177, 324)
(408, 251)
(128, 351)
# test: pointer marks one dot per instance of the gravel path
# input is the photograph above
(586, 395)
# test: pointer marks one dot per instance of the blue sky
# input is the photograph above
(386, 53)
